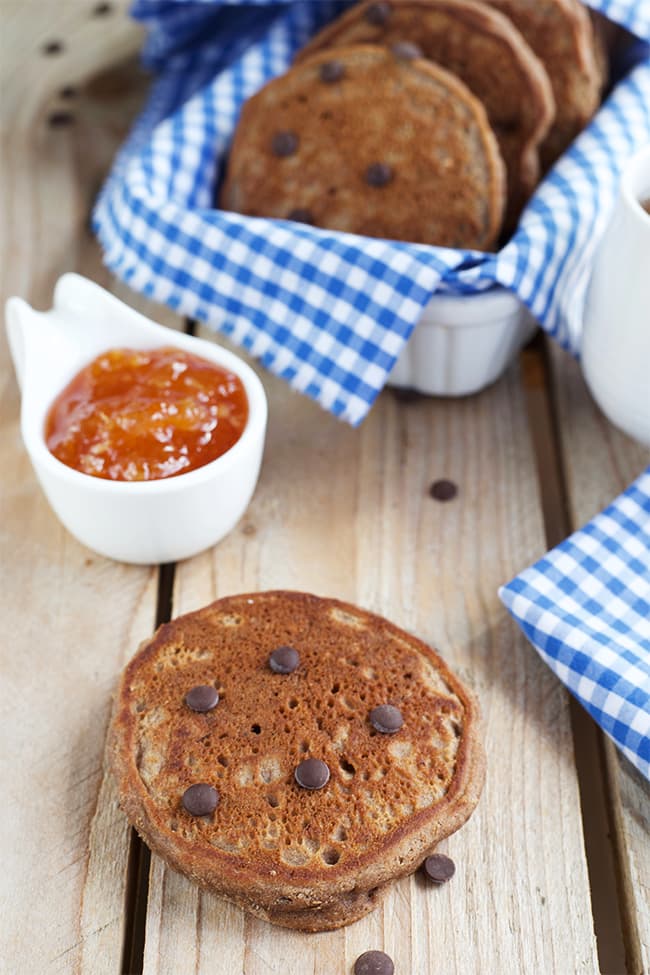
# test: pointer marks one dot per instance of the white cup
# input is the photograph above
(616, 330)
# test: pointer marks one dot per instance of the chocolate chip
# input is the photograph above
(406, 51)
(378, 174)
(200, 799)
(58, 120)
(284, 660)
(312, 774)
(439, 868)
(374, 963)
(331, 71)
(386, 719)
(203, 697)
(443, 490)
(284, 143)
(52, 47)
(300, 215)
(378, 13)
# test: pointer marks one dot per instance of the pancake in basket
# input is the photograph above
(561, 34)
(373, 144)
(316, 855)
(484, 49)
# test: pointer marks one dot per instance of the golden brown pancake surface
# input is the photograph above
(360, 140)
(307, 858)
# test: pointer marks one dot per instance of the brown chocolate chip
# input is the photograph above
(312, 774)
(374, 963)
(284, 660)
(58, 120)
(331, 71)
(443, 490)
(284, 143)
(300, 215)
(69, 91)
(378, 13)
(386, 719)
(439, 868)
(102, 9)
(52, 47)
(203, 697)
(406, 51)
(200, 799)
(378, 174)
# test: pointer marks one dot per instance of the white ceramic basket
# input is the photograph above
(463, 343)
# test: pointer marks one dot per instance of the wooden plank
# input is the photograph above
(347, 513)
(48, 48)
(600, 462)
(76, 617)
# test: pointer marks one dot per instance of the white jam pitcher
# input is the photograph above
(616, 331)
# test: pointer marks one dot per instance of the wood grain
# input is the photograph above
(600, 462)
(75, 617)
(347, 513)
(48, 47)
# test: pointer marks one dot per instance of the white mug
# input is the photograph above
(616, 332)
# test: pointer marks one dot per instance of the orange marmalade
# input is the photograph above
(143, 415)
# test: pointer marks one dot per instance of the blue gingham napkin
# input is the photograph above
(585, 607)
(329, 312)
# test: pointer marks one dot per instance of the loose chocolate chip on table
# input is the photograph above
(300, 215)
(406, 51)
(386, 719)
(57, 120)
(439, 868)
(284, 143)
(378, 13)
(443, 490)
(379, 174)
(312, 774)
(374, 963)
(331, 71)
(200, 799)
(284, 660)
(52, 47)
(203, 697)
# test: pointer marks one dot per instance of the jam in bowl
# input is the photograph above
(155, 437)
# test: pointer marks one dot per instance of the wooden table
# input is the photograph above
(553, 868)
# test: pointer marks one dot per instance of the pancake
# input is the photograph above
(561, 35)
(372, 144)
(484, 49)
(310, 858)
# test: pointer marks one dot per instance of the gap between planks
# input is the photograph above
(139, 860)
(610, 918)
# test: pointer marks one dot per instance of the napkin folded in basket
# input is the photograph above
(330, 312)
(585, 607)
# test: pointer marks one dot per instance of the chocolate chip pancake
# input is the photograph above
(362, 140)
(294, 754)
(561, 34)
(484, 49)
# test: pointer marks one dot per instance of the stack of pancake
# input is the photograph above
(430, 121)
(294, 754)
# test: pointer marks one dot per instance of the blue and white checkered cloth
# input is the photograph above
(329, 312)
(586, 608)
